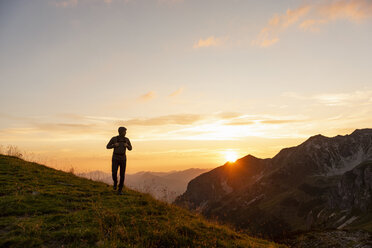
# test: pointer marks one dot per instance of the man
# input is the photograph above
(120, 143)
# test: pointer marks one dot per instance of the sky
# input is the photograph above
(192, 81)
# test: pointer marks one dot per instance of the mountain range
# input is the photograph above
(325, 183)
(165, 186)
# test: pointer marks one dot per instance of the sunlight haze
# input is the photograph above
(196, 83)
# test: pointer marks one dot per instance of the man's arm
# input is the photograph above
(111, 144)
(129, 145)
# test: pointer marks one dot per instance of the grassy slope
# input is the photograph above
(40, 206)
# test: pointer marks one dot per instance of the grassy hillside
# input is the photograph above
(40, 206)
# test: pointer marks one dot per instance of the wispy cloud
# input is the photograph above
(278, 121)
(239, 123)
(311, 17)
(148, 96)
(79, 128)
(262, 120)
(177, 92)
(66, 3)
(209, 42)
(269, 34)
(336, 99)
(353, 10)
(181, 119)
(74, 3)
(312, 24)
(228, 115)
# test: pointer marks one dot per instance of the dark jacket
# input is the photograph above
(119, 152)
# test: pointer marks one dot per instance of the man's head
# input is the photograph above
(122, 131)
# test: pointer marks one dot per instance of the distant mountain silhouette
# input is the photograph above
(165, 186)
(323, 183)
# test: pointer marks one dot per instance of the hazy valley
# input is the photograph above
(165, 186)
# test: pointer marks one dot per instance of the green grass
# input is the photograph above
(43, 207)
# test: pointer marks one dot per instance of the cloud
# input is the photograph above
(311, 17)
(228, 115)
(181, 119)
(177, 92)
(148, 96)
(222, 119)
(74, 3)
(53, 131)
(236, 119)
(266, 41)
(209, 42)
(66, 3)
(277, 121)
(353, 10)
(336, 99)
(66, 127)
(269, 35)
(261, 121)
(240, 123)
(312, 24)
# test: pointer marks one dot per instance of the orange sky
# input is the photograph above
(191, 80)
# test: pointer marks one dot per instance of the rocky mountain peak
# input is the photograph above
(365, 131)
(315, 184)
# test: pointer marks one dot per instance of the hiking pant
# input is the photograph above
(116, 163)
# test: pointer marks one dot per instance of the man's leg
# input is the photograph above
(114, 168)
(123, 166)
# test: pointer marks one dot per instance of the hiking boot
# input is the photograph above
(120, 193)
(114, 188)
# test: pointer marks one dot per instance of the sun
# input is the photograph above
(231, 156)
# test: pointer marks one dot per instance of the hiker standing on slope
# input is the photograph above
(120, 143)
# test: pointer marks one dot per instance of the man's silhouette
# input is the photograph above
(120, 143)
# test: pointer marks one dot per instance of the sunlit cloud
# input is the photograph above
(240, 123)
(148, 96)
(209, 42)
(181, 119)
(66, 127)
(353, 10)
(312, 24)
(228, 115)
(266, 41)
(311, 17)
(177, 92)
(278, 121)
(57, 127)
(336, 99)
(278, 23)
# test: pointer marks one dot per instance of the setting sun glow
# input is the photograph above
(231, 156)
(196, 83)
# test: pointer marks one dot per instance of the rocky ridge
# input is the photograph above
(323, 183)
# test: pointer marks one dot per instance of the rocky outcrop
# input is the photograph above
(354, 190)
